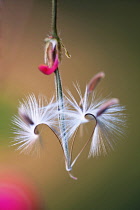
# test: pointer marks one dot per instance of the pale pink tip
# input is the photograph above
(49, 70)
(73, 177)
(94, 81)
(106, 105)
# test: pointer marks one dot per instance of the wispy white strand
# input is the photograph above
(109, 125)
(32, 112)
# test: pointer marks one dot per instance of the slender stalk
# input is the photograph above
(54, 18)
(82, 150)
(59, 92)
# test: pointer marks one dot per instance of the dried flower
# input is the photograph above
(107, 113)
(66, 115)
(52, 53)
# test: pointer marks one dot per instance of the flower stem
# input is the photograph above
(54, 18)
(59, 93)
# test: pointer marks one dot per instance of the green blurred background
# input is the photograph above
(101, 36)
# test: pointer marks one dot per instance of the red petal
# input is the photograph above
(49, 70)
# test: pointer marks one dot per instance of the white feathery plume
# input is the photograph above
(110, 123)
(108, 115)
(75, 113)
(31, 114)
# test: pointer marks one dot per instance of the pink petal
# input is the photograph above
(106, 105)
(49, 70)
(94, 81)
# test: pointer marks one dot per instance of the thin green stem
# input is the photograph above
(59, 92)
(61, 118)
(54, 18)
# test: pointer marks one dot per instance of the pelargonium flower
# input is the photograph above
(52, 53)
(31, 114)
(107, 113)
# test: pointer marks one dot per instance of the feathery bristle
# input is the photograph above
(32, 112)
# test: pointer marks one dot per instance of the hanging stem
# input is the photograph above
(59, 92)
(54, 18)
